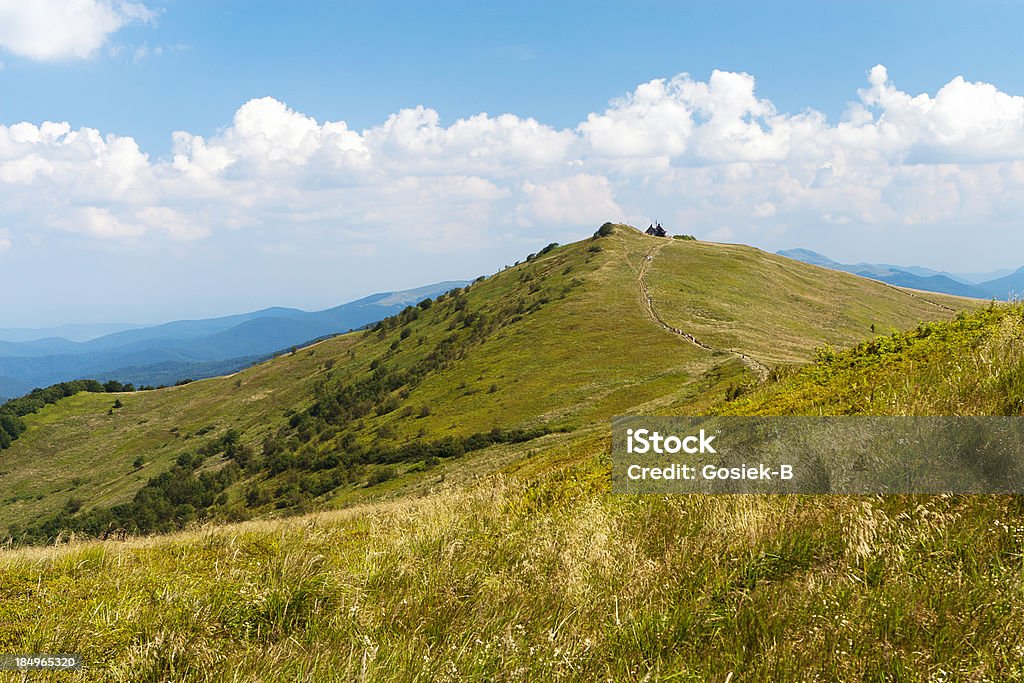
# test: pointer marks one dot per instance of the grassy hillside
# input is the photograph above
(557, 344)
(736, 297)
(971, 365)
(537, 573)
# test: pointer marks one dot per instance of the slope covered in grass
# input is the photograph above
(554, 345)
(971, 365)
(538, 573)
(546, 344)
(775, 309)
(545, 580)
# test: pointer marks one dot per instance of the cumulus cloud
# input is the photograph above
(709, 157)
(963, 122)
(175, 224)
(64, 29)
(577, 200)
(102, 223)
(5, 241)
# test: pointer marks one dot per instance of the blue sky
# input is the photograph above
(361, 61)
(305, 175)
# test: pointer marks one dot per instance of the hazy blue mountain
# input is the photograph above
(38, 347)
(10, 388)
(76, 332)
(914, 277)
(886, 269)
(1005, 288)
(930, 283)
(45, 370)
(186, 329)
(165, 354)
(975, 278)
(172, 372)
(812, 257)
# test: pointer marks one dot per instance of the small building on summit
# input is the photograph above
(656, 231)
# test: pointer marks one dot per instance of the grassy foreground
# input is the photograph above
(538, 573)
(546, 580)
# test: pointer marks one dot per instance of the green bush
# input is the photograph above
(381, 474)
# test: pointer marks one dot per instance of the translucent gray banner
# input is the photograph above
(860, 455)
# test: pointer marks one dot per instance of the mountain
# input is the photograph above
(912, 277)
(75, 332)
(9, 388)
(194, 348)
(812, 257)
(975, 278)
(1010, 287)
(478, 555)
(185, 329)
(930, 283)
(561, 342)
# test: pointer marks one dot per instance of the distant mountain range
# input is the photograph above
(1002, 285)
(185, 349)
(73, 332)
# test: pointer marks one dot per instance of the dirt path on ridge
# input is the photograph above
(753, 364)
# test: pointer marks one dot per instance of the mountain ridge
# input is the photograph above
(227, 343)
(917, 277)
(554, 345)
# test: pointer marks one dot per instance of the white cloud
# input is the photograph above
(144, 51)
(653, 121)
(414, 140)
(5, 241)
(63, 29)
(102, 223)
(711, 155)
(82, 160)
(682, 119)
(173, 223)
(577, 200)
(962, 122)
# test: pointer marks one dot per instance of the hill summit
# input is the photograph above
(620, 322)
